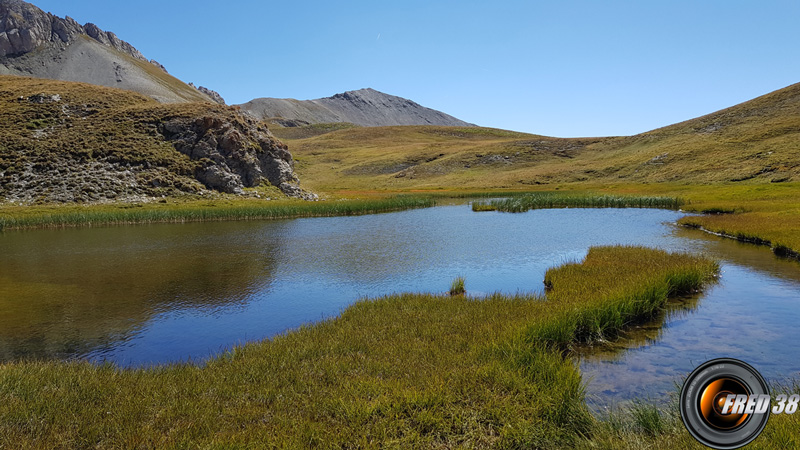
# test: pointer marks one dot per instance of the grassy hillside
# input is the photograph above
(756, 141)
(425, 157)
(66, 141)
(86, 122)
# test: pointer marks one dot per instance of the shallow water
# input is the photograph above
(751, 314)
(163, 293)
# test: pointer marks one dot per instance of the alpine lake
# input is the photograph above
(155, 294)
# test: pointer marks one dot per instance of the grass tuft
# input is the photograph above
(457, 287)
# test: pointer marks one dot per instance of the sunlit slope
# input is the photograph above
(411, 157)
(756, 141)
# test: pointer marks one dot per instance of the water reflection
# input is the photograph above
(70, 292)
(154, 294)
(750, 314)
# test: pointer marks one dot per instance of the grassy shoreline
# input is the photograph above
(757, 213)
(25, 217)
(739, 229)
(407, 370)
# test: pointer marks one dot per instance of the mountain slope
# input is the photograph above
(39, 44)
(365, 107)
(757, 141)
(76, 142)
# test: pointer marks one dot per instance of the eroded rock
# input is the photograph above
(234, 154)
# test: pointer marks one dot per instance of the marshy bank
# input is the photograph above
(209, 286)
(61, 216)
(776, 231)
(413, 370)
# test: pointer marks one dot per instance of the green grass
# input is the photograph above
(307, 131)
(194, 211)
(541, 200)
(403, 371)
(776, 230)
(457, 287)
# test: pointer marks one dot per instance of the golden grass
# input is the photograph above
(93, 123)
(406, 371)
(193, 210)
(754, 142)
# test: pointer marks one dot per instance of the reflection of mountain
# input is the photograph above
(66, 292)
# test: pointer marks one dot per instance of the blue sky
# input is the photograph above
(559, 68)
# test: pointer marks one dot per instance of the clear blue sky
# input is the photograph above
(559, 68)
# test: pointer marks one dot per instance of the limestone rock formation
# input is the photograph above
(24, 27)
(74, 142)
(234, 153)
(39, 44)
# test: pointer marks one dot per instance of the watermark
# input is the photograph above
(725, 403)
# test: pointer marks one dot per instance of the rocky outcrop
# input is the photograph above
(24, 27)
(212, 94)
(74, 142)
(365, 107)
(234, 154)
(159, 65)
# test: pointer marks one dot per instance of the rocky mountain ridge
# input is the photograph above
(365, 107)
(39, 44)
(24, 27)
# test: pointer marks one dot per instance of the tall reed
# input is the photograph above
(74, 216)
(542, 200)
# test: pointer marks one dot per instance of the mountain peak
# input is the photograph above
(365, 107)
(39, 44)
(24, 27)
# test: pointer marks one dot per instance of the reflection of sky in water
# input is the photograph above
(329, 263)
(173, 292)
(751, 314)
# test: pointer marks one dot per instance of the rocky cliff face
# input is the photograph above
(365, 107)
(24, 27)
(39, 44)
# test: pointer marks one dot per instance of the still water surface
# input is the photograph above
(164, 293)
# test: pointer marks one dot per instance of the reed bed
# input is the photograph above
(542, 200)
(405, 371)
(74, 216)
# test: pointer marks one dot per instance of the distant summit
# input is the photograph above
(365, 107)
(38, 44)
